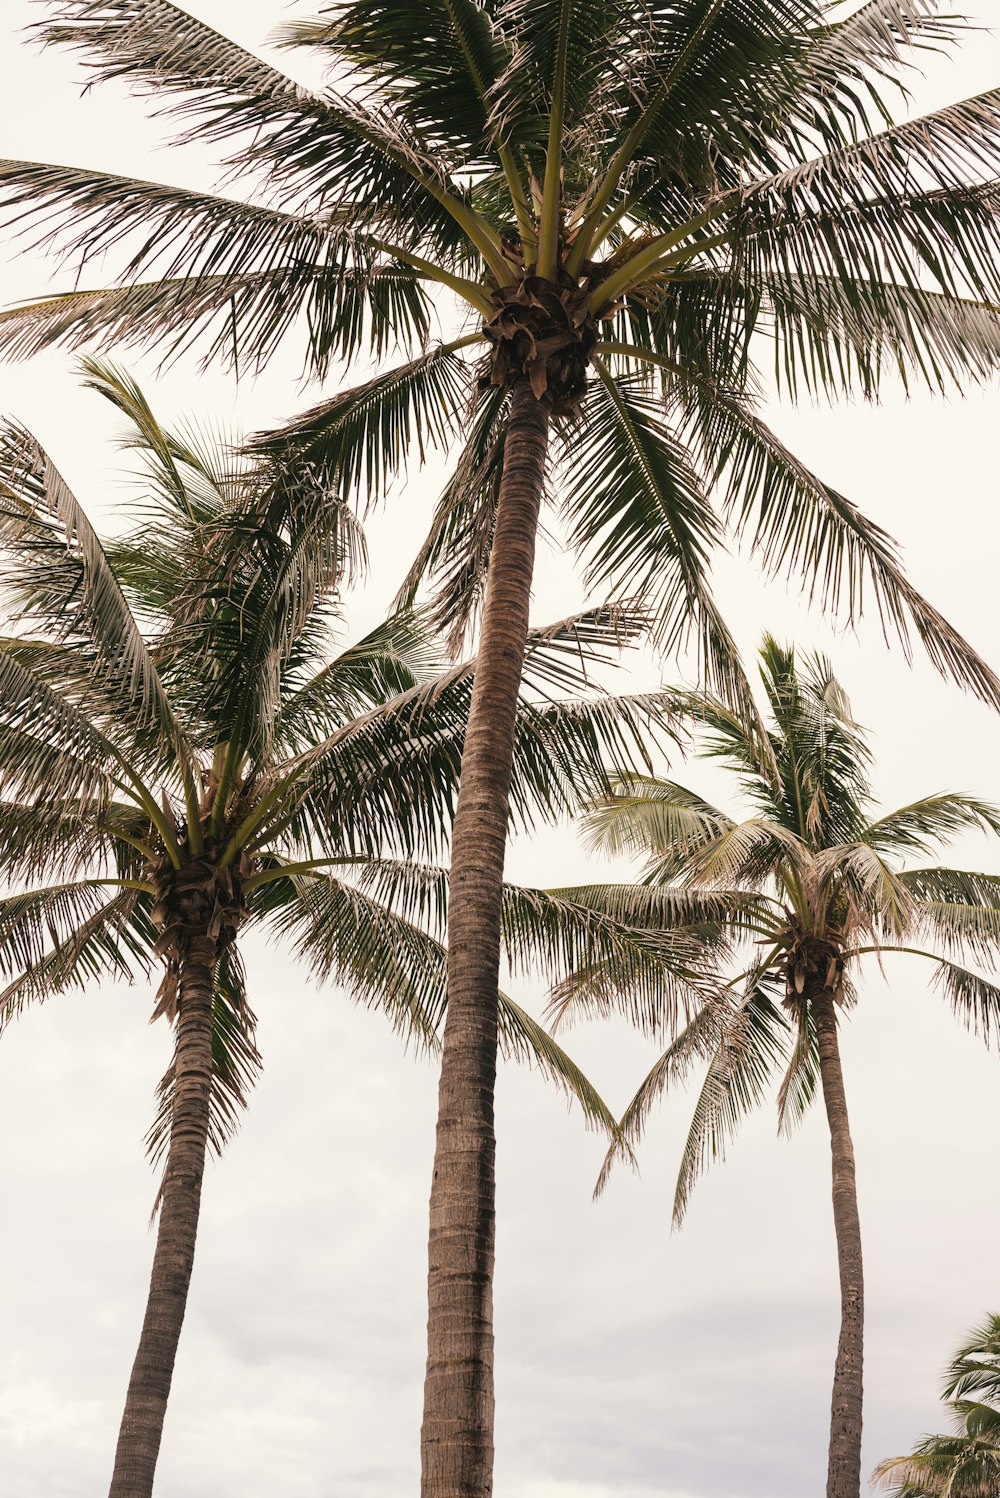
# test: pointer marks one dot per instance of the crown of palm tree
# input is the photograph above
(965, 1464)
(637, 190)
(814, 878)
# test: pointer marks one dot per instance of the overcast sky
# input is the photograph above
(630, 1362)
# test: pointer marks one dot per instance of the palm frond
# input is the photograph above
(236, 1064)
(696, 1042)
(652, 818)
(300, 141)
(800, 1083)
(69, 935)
(975, 1000)
(242, 274)
(63, 581)
(456, 551)
(638, 512)
(919, 827)
(357, 441)
(522, 1038)
(957, 908)
(436, 59)
(802, 528)
(753, 1042)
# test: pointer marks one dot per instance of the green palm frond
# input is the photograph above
(181, 476)
(958, 909)
(522, 1038)
(64, 585)
(47, 746)
(358, 441)
(241, 276)
(391, 659)
(653, 818)
(696, 1042)
(804, 529)
(236, 1064)
(919, 827)
(282, 130)
(66, 936)
(831, 338)
(975, 1368)
(345, 935)
(637, 511)
(974, 999)
(437, 59)
(801, 1081)
(456, 551)
(749, 1047)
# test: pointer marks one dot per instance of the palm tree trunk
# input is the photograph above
(457, 1432)
(180, 1201)
(844, 1471)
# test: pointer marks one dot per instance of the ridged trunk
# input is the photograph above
(844, 1471)
(177, 1228)
(457, 1433)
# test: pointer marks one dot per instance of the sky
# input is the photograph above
(631, 1361)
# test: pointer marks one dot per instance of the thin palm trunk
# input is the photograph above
(180, 1202)
(844, 1471)
(457, 1432)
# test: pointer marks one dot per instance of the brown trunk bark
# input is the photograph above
(457, 1432)
(180, 1201)
(844, 1471)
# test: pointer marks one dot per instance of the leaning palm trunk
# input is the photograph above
(844, 1473)
(457, 1432)
(180, 1202)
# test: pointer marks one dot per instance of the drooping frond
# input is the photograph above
(357, 441)
(802, 528)
(975, 1000)
(241, 274)
(638, 513)
(696, 1042)
(749, 1048)
(61, 582)
(932, 820)
(346, 936)
(652, 818)
(456, 551)
(522, 1038)
(236, 1064)
(958, 909)
(69, 935)
(801, 1081)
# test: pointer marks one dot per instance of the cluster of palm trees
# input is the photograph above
(611, 208)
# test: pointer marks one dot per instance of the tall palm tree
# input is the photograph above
(183, 755)
(608, 201)
(814, 879)
(965, 1464)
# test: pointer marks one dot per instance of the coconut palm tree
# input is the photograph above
(965, 1464)
(606, 202)
(183, 755)
(815, 880)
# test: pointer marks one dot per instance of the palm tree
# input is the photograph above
(813, 878)
(183, 757)
(609, 200)
(967, 1463)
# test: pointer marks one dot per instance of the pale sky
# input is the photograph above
(630, 1362)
